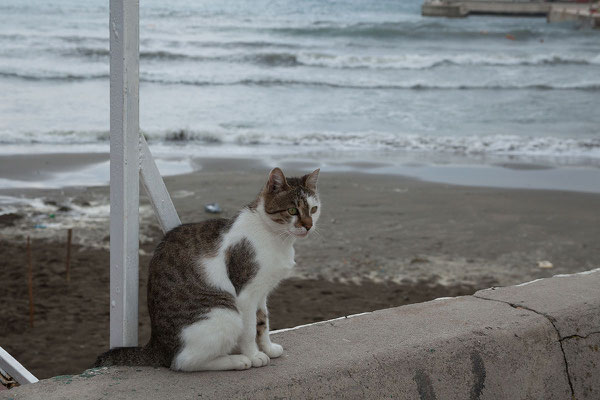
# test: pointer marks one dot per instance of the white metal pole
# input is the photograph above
(124, 171)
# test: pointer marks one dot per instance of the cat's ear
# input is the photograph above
(276, 181)
(310, 180)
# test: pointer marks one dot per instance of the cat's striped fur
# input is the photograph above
(208, 282)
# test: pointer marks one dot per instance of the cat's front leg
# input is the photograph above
(263, 340)
(247, 343)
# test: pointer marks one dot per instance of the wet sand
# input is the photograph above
(383, 240)
(33, 167)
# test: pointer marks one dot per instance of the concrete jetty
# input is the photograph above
(539, 340)
(584, 13)
(589, 16)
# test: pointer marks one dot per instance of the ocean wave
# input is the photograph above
(277, 57)
(275, 82)
(53, 137)
(268, 82)
(588, 148)
(185, 135)
(418, 61)
(244, 44)
(266, 58)
(103, 52)
(409, 29)
(50, 39)
(464, 145)
(52, 75)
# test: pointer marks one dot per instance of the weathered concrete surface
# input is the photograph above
(439, 9)
(462, 348)
(572, 304)
(464, 8)
(583, 357)
(584, 13)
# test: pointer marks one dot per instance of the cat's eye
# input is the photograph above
(293, 210)
(313, 210)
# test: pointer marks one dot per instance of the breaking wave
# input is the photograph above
(275, 82)
(349, 61)
(466, 145)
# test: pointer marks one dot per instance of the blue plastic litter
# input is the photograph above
(213, 208)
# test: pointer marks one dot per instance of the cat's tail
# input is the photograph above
(130, 356)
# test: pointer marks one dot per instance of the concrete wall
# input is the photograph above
(580, 13)
(463, 8)
(554, 11)
(539, 340)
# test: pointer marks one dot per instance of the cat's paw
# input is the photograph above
(260, 359)
(240, 362)
(273, 350)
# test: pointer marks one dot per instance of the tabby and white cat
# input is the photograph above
(208, 282)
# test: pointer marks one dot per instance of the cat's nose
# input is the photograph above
(307, 227)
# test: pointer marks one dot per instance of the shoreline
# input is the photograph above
(22, 172)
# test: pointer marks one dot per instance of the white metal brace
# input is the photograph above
(15, 369)
(130, 157)
(156, 190)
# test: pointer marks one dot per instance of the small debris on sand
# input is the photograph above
(9, 219)
(213, 208)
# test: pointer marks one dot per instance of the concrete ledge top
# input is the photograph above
(505, 343)
(569, 301)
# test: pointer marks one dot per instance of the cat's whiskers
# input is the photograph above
(316, 231)
(284, 234)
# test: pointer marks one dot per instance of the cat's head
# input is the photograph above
(290, 206)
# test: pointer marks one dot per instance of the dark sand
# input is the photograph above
(404, 240)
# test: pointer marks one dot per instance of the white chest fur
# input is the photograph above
(274, 254)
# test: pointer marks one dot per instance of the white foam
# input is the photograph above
(246, 142)
(36, 203)
(425, 61)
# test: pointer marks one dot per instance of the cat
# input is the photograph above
(208, 282)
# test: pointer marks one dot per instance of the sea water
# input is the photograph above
(286, 77)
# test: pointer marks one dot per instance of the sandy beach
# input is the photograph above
(382, 241)
(380, 227)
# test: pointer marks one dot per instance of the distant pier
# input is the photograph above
(584, 13)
